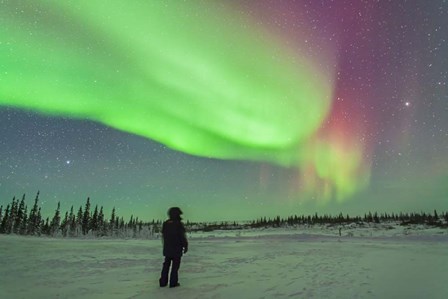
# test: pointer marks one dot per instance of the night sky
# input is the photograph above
(231, 110)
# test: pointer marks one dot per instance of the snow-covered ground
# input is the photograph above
(373, 262)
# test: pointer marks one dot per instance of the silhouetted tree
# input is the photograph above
(24, 223)
(45, 228)
(101, 223)
(94, 220)
(33, 219)
(86, 217)
(12, 216)
(79, 218)
(21, 214)
(72, 223)
(39, 222)
(65, 224)
(112, 224)
(55, 222)
(5, 220)
(376, 219)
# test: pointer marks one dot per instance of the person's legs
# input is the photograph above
(163, 281)
(174, 272)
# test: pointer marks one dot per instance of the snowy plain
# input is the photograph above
(304, 262)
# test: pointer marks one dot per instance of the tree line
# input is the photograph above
(15, 219)
(433, 219)
(86, 221)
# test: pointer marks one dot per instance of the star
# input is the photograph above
(407, 104)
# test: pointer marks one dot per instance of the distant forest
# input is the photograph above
(88, 222)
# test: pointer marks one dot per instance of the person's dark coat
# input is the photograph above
(174, 240)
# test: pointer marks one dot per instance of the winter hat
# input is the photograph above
(174, 213)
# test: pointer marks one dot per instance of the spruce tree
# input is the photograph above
(5, 221)
(72, 224)
(122, 226)
(277, 221)
(94, 222)
(12, 216)
(39, 222)
(24, 224)
(79, 221)
(134, 228)
(33, 219)
(46, 229)
(117, 223)
(131, 222)
(65, 225)
(101, 223)
(140, 226)
(376, 219)
(20, 215)
(112, 222)
(1, 214)
(86, 218)
(55, 222)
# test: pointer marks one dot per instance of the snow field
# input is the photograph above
(267, 266)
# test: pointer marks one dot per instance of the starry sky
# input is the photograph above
(229, 109)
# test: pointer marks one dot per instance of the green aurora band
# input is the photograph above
(193, 76)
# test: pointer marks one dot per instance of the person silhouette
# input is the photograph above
(174, 245)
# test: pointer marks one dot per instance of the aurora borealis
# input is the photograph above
(229, 109)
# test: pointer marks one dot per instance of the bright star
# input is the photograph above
(407, 104)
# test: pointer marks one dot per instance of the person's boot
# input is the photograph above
(175, 285)
(162, 283)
